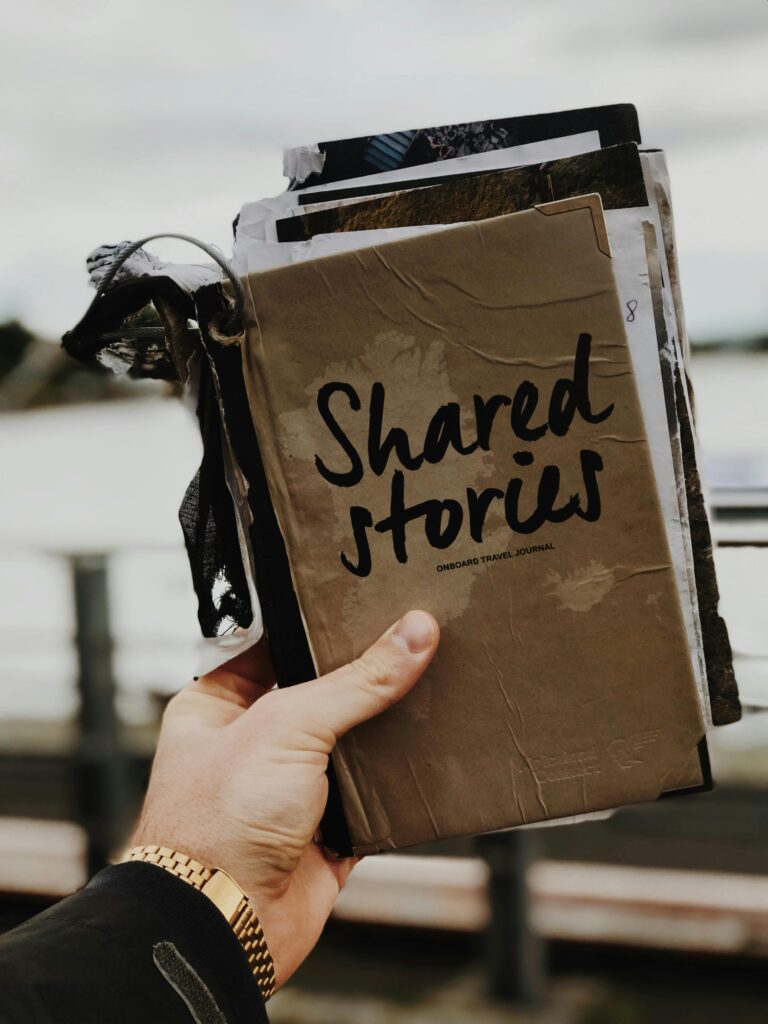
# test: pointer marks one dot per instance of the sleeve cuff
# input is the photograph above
(197, 923)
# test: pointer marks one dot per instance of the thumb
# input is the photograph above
(374, 681)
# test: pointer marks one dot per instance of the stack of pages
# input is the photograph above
(461, 386)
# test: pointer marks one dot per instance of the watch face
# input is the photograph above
(225, 893)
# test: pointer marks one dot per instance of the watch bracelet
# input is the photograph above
(245, 923)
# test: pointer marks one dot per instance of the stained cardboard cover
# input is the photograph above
(451, 422)
(617, 174)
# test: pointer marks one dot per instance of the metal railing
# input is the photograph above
(105, 780)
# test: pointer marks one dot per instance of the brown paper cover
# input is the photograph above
(562, 683)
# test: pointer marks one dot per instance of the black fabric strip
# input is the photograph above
(207, 518)
(280, 611)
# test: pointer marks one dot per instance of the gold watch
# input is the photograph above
(227, 896)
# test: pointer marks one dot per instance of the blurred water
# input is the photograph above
(106, 477)
(110, 477)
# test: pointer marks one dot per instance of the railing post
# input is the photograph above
(101, 776)
(514, 954)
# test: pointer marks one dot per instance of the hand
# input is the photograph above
(239, 781)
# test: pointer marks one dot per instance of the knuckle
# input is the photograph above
(372, 672)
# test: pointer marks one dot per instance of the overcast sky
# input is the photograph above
(123, 119)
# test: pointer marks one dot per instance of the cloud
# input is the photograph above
(125, 119)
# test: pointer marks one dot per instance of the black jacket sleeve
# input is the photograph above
(136, 945)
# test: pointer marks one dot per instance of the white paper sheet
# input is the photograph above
(256, 221)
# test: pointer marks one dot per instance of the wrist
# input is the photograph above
(229, 899)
